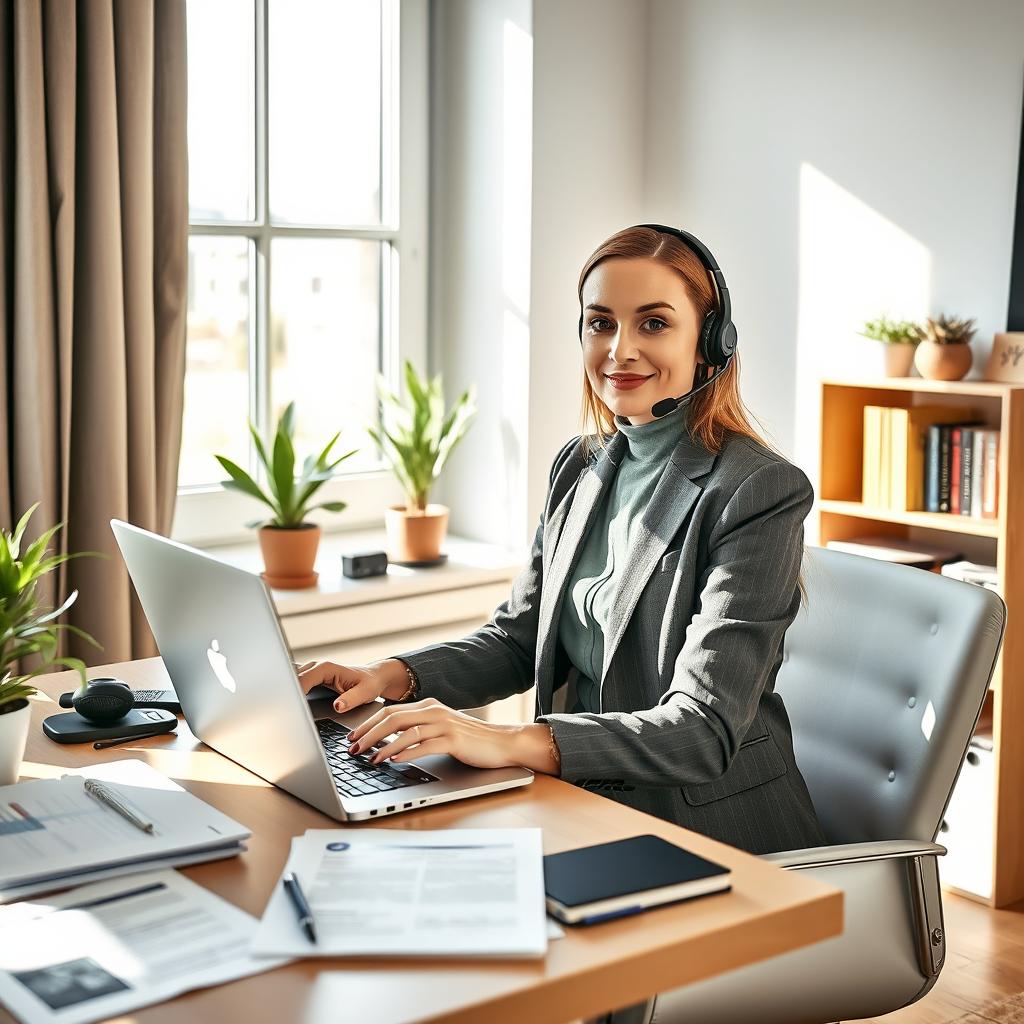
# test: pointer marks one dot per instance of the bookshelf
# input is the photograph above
(1000, 542)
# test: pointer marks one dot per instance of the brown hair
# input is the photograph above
(716, 410)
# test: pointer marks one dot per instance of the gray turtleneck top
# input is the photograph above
(591, 586)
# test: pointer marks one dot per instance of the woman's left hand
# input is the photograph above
(430, 727)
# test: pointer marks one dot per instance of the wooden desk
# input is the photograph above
(590, 971)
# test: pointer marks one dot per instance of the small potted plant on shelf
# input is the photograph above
(899, 339)
(287, 540)
(944, 352)
(417, 440)
(29, 635)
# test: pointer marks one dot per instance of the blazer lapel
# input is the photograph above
(569, 526)
(672, 500)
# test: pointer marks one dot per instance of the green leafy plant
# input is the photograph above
(289, 497)
(891, 332)
(417, 438)
(946, 330)
(27, 628)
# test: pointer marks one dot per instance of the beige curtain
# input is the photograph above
(93, 284)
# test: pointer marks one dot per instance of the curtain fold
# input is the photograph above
(93, 285)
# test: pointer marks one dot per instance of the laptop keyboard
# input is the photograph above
(353, 773)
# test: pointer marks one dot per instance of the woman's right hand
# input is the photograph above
(356, 684)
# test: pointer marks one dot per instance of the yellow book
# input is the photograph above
(909, 437)
(869, 472)
(884, 461)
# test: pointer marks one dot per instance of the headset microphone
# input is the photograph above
(717, 342)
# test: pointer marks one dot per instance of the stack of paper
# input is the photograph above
(389, 892)
(101, 950)
(54, 834)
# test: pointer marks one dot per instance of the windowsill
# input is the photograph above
(470, 563)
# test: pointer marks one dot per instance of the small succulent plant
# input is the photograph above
(946, 330)
(890, 332)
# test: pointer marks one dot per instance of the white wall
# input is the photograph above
(840, 160)
(549, 93)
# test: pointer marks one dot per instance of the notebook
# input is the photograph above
(54, 834)
(596, 883)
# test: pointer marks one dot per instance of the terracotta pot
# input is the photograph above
(412, 537)
(289, 555)
(899, 358)
(943, 362)
(15, 716)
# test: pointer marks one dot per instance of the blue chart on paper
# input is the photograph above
(14, 819)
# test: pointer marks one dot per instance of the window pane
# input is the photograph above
(217, 359)
(325, 109)
(325, 324)
(221, 109)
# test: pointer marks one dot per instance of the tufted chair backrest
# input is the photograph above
(884, 675)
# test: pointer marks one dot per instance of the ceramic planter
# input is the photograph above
(899, 357)
(289, 555)
(415, 537)
(943, 362)
(14, 718)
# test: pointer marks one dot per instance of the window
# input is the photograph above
(307, 239)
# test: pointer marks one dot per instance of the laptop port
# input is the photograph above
(372, 813)
(392, 807)
(404, 806)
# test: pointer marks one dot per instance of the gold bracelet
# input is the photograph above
(414, 683)
(555, 753)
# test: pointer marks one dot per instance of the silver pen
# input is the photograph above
(107, 796)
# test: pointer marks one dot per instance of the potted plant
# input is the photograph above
(417, 440)
(899, 340)
(289, 543)
(944, 352)
(28, 630)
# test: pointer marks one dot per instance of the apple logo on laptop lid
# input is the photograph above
(219, 664)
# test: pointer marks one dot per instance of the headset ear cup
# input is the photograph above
(707, 346)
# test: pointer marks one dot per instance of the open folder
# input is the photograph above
(53, 833)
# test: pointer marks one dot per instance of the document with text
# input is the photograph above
(389, 892)
(101, 950)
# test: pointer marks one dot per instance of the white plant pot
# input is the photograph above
(13, 737)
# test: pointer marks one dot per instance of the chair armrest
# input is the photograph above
(851, 853)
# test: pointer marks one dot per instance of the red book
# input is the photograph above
(954, 474)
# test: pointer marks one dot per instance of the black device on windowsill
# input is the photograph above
(360, 564)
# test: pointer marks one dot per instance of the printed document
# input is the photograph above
(390, 892)
(101, 950)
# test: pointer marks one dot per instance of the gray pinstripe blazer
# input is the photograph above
(690, 727)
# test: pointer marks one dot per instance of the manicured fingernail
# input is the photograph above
(339, 705)
(354, 749)
(375, 758)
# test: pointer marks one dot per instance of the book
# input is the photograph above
(869, 483)
(990, 487)
(53, 833)
(954, 475)
(596, 883)
(966, 469)
(918, 554)
(978, 471)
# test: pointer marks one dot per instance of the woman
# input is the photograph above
(663, 577)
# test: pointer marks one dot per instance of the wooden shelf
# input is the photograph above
(930, 520)
(969, 388)
(840, 517)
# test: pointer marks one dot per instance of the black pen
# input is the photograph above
(294, 890)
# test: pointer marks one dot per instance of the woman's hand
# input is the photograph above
(429, 727)
(356, 684)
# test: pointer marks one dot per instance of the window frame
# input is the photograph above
(210, 514)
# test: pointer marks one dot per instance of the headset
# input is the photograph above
(717, 343)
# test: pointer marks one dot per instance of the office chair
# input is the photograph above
(884, 676)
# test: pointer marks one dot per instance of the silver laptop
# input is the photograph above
(222, 645)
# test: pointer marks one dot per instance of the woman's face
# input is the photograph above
(640, 335)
